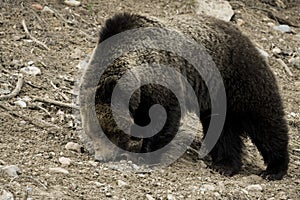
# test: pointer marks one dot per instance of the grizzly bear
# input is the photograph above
(254, 106)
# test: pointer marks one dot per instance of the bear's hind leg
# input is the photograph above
(270, 136)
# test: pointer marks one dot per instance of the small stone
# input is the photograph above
(84, 63)
(72, 146)
(280, 4)
(12, 170)
(61, 115)
(171, 197)
(47, 9)
(4, 91)
(37, 6)
(72, 2)
(121, 183)
(295, 62)
(263, 53)
(31, 70)
(108, 194)
(98, 184)
(30, 63)
(208, 187)
(217, 8)
(283, 28)
(297, 84)
(76, 54)
(20, 103)
(276, 51)
(254, 178)
(149, 197)
(271, 24)
(244, 191)
(217, 194)
(64, 161)
(27, 99)
(6, 195)
(288, 52)
(52, 154)
(58, 170)
(255, 187)
(93, 163)
(240, 22)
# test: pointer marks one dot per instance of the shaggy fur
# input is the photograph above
(254, 105)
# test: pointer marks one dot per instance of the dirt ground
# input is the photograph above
(34, 137)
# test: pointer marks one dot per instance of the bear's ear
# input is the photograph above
(109, 84)
(105, 89)
(122, 22)
(117, 24)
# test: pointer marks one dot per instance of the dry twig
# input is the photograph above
(33, 38)
(59, 91)
(286, 68)
(54, 102)
(17, 89)
(37, 122)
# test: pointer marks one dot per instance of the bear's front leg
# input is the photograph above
(227, 152)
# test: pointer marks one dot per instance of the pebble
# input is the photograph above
(283, 28)
(6, 195)
(244, 191)
(255, 187)
(121, 183)
(295, 62)
(12, 170)
(98, 184)
(263, 53)
(149, 197)
(37, 6)
(254, 177)
(27, 99)
(31, 70)
(72, 3)
(64, 161)
(84, 63)
(61, 115)
(58, 170)
(76, 54)
(72, 146)
(4, 91)
(171, 197)
(108, 194)
(20, 103)
(30, 63)
(2, 162)
(208, 187)
(217, 8)
(276, 50)
(240, 22)
(47, 9)
(93, 163)
(271, 24)
(217, 194)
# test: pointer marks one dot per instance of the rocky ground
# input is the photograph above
(41, 156)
